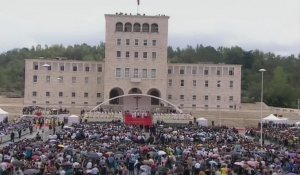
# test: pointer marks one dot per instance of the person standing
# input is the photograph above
(20, 133)
(12, 136)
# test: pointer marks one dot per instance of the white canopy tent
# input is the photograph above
(202, 121)
(73, 119)
(3, 115)
(274, 119)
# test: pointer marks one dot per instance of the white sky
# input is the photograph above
(267, 25)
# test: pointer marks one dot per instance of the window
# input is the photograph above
(86, 80)
(87, 69)
(181, 105)
(74, 68)
(206, 97)
(98, 80)
(230, 106)
(98, 95)
(181, 82)
(170, 82)
(118, 42)
(60, 79)
(36, 67)
(73, 94)
(144, 54)
(135, 73)
(60, 94)
(154, 28)
(62, 68)
(86, 103)
(194, 83)
(218, 83)
(136, 42)
(145, 42)
(193, 105)
(181, 97)
(218, 98)
(33, 102)
(230, 98)
(86, 94)
(231, 84)
(181, 71)
(206, 72)
(169, 97)
(194, 70)
(136, 54)
(231, 71)
(169, 71)
(145, 27)
(35, 78)
(49, 67)
(127, 42)
(119, 27)
(127, 54)
(194, 97)
(128, 27)
(218, 71)
(153, 55)
(153, 42)
(73, 79)
(136, 27)
(47, 94)
(118, 54)
(127, 72)
(118, 72)
(99, 68)
(47, 79)
(47, 102)
(153, 73)
(206, 106)
(34, 93)
(144, 73)
(60, 102)
(218, 106)
(206, 83)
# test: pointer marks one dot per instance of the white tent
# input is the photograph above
(3, 115)
(274, 119)
(202, 121)
(73, 119)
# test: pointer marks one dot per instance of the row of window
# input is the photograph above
(207, 107)
(135, 73)
(136, 27)
(136, 42)
(136, 55)
(194, 83)
(206, 71)
(75, 67)
(60, 102)
(61, 94)
(206, 97)
(60, 79)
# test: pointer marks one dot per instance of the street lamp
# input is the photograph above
(261, 101)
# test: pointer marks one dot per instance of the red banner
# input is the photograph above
(145, 121)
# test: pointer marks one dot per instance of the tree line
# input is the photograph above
(281, 81)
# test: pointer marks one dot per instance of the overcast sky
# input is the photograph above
(267, 25)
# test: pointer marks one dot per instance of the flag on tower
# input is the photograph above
(138, 2)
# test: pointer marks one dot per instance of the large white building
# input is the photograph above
(135, 63)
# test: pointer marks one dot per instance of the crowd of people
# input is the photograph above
(116, 149)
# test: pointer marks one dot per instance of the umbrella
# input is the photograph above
(28, 148)
(92, 155)
(239, 163)
(252, 163)
(61, 146)
(161, 152)
(18, 163)
(36, 157)
(212, 162)
(119, 155)
(31, 171)
(146, 168)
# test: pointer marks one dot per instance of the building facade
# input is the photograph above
(135, 63)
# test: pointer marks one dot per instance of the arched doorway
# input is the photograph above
(114, 93)
(156, 93)
(135, 91)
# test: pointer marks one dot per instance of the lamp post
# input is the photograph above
(298, 101)
(261, 101)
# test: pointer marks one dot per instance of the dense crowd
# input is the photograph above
(116, 149)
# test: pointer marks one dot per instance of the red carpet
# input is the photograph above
(146, 121)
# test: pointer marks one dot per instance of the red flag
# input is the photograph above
(138, 2)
